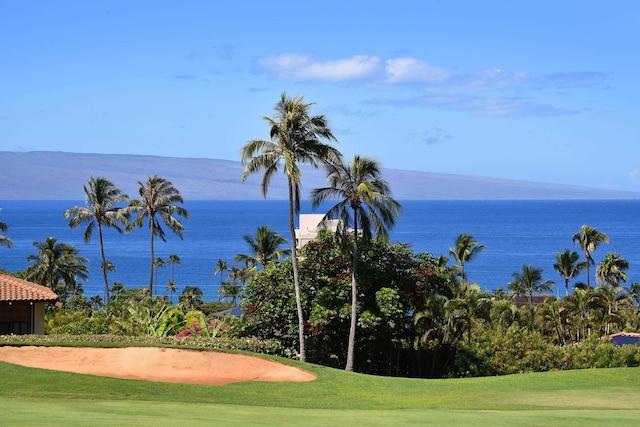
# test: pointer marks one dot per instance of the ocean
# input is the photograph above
(514, 233)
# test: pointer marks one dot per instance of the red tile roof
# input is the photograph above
(14, 289)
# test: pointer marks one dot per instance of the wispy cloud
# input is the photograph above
(411, 70)
(489, 92)
(303, 67)
(436, 135)
(571, 80)
(184, 77)
(226, 52)
(496, 106)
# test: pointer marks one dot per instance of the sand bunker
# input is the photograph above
(155, 364)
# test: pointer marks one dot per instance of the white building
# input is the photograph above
(310, 226)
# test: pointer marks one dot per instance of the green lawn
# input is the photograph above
(581, 398)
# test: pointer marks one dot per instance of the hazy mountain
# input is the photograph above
(40, 175)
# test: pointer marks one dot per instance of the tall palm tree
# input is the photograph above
(296, 137)
(611, 269)
(221, 267)
(4, 240)
(56, 265)
(589, 239)
(158, 199)
(174, 260)
(365, 204)
(529, 281)
(158, 264)
(568, 266)
(465, 249)
(264, 247)
(102, 210)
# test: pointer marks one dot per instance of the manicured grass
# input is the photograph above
(580, 398)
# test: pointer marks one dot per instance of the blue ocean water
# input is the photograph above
(514, 232)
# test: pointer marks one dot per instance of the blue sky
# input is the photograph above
(541, 91)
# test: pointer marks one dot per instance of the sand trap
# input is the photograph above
(154, 364)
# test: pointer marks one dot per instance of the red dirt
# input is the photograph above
(155, 364)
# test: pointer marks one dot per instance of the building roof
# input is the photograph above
(622, 338)
(14, 289)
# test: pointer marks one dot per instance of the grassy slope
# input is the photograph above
(589, 397)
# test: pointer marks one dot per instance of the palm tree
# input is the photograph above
(116, 289)
(173, 260)
(4, 240)
(365, 203)
(589, 239)
(101, 198)
(172, 288)
(230, 291)
(296, 137)
(158, 198)
(191, 297)
(611, 269)
(529, 281)
(465, 250)
(158, 264)
(568, 267)
(264, 247)
(56, 265)
(221, 267)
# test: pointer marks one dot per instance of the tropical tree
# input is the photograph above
(295, 137)
(465, 249)
(230, 291)
(365, 205)
(221, 267)
(172, 288)
(611, 269)
(264, 247)
(174, 260)
(589, 239)
(529, 281)
(158, 199)
(191, 297)
(4, 240)
(101, 211)
(158, 264)
(568, 266)
(116, 289)
(56, 265)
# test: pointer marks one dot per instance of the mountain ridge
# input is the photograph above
(56, 175)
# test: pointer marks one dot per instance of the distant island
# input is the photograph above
(52, 175)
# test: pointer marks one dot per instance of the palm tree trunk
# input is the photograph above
(296, 279)
(152, 258)
(354, 296)
(104, 266)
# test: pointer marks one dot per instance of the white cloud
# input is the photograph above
(634, 176)
(411, 70)
(484, 80)
(301, 67)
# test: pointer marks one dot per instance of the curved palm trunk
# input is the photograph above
(152, 258)
(566, 286)
(104, 266)
(354, 296)
(296, 279)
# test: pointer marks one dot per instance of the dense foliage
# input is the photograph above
(418, 317)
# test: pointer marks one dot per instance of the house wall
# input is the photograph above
(17, 317)
(37, 327)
